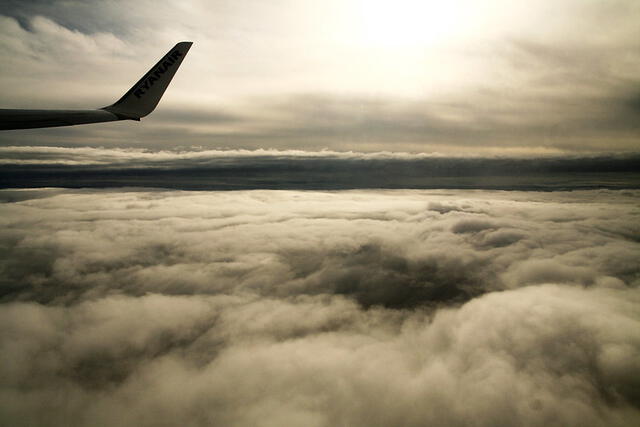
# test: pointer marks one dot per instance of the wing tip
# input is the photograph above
(143, 97)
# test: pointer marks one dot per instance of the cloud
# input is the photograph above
(287, 76)
(363, 307)
(197, 168)
(319, 308)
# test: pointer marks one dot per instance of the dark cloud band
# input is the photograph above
(272, 169)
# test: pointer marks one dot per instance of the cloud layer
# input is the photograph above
(312, 308)
(198, 169)
(540, 78)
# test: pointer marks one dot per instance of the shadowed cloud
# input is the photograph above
(262, 307)
(295, 169)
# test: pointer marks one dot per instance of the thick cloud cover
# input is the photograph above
(199, 169)
(319, 308)
(556, 76)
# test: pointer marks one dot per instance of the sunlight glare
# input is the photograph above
(407, 23)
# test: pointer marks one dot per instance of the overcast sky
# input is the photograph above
(482, 77)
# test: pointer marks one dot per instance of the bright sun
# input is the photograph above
(406, 23)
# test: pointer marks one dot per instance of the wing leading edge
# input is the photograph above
(138, 102)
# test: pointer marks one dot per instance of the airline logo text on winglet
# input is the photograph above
(155, 75)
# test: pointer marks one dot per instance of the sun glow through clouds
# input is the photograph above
(407, 23)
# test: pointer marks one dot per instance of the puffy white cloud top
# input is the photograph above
(319, 308)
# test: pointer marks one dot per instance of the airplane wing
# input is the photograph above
(138, 102)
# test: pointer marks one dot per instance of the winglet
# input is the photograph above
(143, 97)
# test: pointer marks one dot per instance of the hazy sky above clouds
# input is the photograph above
(492, 77)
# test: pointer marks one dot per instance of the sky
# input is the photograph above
(492, 77)
(342, 213)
